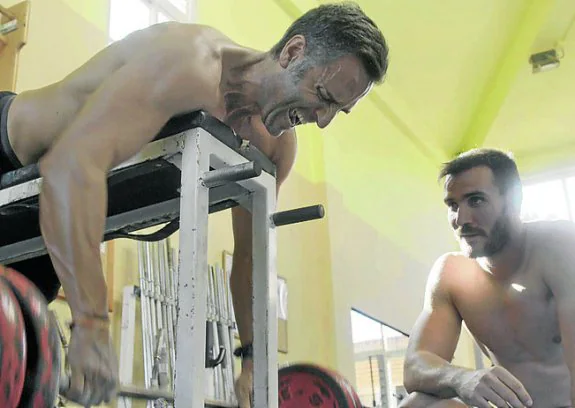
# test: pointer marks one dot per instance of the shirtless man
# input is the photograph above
(108, 109)
(513, 287)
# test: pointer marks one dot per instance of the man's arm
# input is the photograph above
(118, 119)
(434, 338)
(241, 276)
(560, 278)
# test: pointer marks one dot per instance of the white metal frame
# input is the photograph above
(196, 151)
(200, 152)
(128, 333)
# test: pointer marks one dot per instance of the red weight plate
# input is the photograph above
(43, 360)
(351, 394)
(310, 386)
(12, 348)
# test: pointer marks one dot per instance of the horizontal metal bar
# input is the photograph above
(130, 221)
(231, 191)
(169, 148)
(144, 217)
(129, 391)
(8, 27)
(313, 212)
(221, 198)
(148, 394)
(228, 174)
(223, 157)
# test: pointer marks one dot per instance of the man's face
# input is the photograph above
(477, 211)
(306, 93)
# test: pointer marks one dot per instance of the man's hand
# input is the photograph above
(244, 385)
(493, 385)
(93, 365)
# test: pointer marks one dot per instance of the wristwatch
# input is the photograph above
(245, 352)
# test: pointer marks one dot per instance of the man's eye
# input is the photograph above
(475, 201)
(322, 95)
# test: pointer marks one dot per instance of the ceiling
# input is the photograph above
(459, 75)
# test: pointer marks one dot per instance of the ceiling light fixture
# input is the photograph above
(544, 61)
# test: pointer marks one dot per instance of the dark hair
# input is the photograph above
(334, 30)
(502, 165)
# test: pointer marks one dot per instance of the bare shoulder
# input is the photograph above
(450, 264)
(451, 274)
(552, 252)
(444, 271)
(161, 38)
(552, 248)
(185, 59)
(556, 237)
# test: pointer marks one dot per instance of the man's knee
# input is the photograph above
(419, 400)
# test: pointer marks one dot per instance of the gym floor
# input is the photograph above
(460, 76)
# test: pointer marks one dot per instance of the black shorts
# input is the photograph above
(39, 270)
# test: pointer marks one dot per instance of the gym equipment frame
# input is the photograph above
(195, 166)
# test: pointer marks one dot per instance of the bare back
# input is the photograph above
(516, 319)
(55, 106)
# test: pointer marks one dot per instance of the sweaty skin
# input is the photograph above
(108, 109)
(523, 317)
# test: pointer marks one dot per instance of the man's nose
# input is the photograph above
(463, 216)
(325, 116)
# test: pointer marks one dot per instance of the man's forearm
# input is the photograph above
(430, 374)
(72, 217)
(242, 289)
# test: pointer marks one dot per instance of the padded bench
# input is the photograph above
(152, 184)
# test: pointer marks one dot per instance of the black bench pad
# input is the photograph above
(174, 126)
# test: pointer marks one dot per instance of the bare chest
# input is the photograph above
(516, 320)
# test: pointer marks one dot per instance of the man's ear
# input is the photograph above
(294, 49)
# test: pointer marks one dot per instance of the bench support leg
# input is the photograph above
(189, 384)
(265, 325)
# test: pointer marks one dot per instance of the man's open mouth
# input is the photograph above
(295, 117)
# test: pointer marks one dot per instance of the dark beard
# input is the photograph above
(497, 239)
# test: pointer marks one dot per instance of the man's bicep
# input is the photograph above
(437, 331)
(438, 326)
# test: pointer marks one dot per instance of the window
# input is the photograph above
(550, 199)
(127, 16)
(379, 354)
